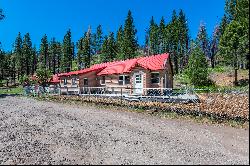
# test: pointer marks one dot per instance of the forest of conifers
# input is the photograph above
(228, 45)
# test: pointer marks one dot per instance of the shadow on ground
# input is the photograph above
(8, 95)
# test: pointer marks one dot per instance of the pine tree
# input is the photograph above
(13, 67)
(197, 67)
(87, 49)
(214, 45)
(67, 53)
(147, 43)
(27, 53)
(112, 50)
(19, 55)
(99, 39)
(44, 53)
(223, 24)
(230, 9)
(129, 39)
(34, 60)
(162, 40)
(174, 35)
(109, 49)
(59, 56)
(105, 49)
(119, 43)
(53, 51)
(230, 45)
(183, 39)
(2, 64)
(79, 47)
(202, 39)
(154, 37)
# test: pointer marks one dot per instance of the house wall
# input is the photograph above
(69, 81)
(112, 83)
(91, 76)
(69, 88)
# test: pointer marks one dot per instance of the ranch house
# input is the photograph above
(132, 76)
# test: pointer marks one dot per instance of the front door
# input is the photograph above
(138, 83)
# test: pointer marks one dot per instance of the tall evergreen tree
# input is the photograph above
(119, 43)
(54, 54)
(162, 40)
(67, 53)
(183, 38)
(44, 53)
(105, 49)
(197, 69)
(27, 53)
(214, 43)
(202, 39)
(230, 45)
(2, 64)
(129, 39)
(223, 24)
(112, 51)
(230, 9)
(154, 37)
(174, 35)
(19, 55)
(34, 60)
(99, 39)
(79, 46)
(87, 49)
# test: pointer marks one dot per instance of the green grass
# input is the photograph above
(16, 90)
(219, 69)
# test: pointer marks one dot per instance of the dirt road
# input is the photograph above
(39, 132)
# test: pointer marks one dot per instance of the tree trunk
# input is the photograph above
(212, 61)
(235, 77)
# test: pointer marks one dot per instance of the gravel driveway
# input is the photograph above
(39, 132)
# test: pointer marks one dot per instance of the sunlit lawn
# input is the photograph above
(16, 90)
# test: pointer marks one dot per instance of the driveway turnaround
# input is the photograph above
(40, 132)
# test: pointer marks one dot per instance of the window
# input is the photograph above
(103, 80)
(65, 81)
(127, 80)
(138, 79)
(155, 78)
(120, 80)
(124, 80)
(85, 81)
(73, 81)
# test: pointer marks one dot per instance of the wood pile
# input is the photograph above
(225, 106)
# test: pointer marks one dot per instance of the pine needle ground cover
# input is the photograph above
(214, 107)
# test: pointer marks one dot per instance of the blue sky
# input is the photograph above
(55, 17)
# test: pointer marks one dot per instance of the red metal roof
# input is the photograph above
(55, 79)
(155, 62)
(119, 67)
